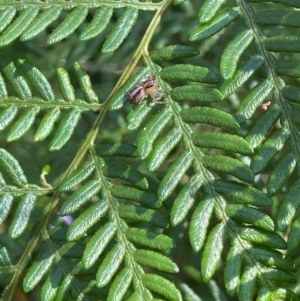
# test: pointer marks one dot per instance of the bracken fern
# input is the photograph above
(193, 197)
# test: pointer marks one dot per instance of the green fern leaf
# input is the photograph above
(289, 207)
(65, 85)
(139, 213)
(241, 192)
(163, 147)
(188, 72)
(4, 257)
(65, 129)
(242, 75)
(121, 30)
(12, 168)
(146, 198)
(99, 22)
(22, 215)
(69, 25)
(262, 126)
(24, 123)
(173, 52)
(209, 9)
(97, 244)
(294, 237)
(110, 265)
(7, 116)
(39, 268)
(18, 25)
(269, 149)
(233, 269)
(200, 222)
(174, 175)
(279, 276)
(6, 202)
(263, 238)
(276, 17)
(6, 16)
(215, 25)
(40, 23)
(149, 239)
(185, 199)
(288, 68)
(162, 286)
(196, 93)
(151, 131)
(281, 172)
(211, 116)
(127, 173)
(47, 124)
(86, 220)
(155, 260)
(229, 165)
(68, 286)
(291, 93)
(283, 43)
(51, 285)
(264, 294)
(80, 197)
(228, 142)
(253, 100)
(296, 121)
(249, 215)
(3, 90)
(37, 79)
(233, 52)
(248, 284)
(284, 294)
(85, 84)
(15, 78)
(137, 115)
(78, 176)
(273, 258)
(212, 251)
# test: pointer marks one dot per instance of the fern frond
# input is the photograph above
(27, 23)
(119, 244)
(117, 211)
(24, 75)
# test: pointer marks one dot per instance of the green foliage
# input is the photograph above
(189, 194)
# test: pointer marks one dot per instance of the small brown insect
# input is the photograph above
(142, 91)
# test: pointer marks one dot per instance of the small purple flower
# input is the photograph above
(68, 219)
